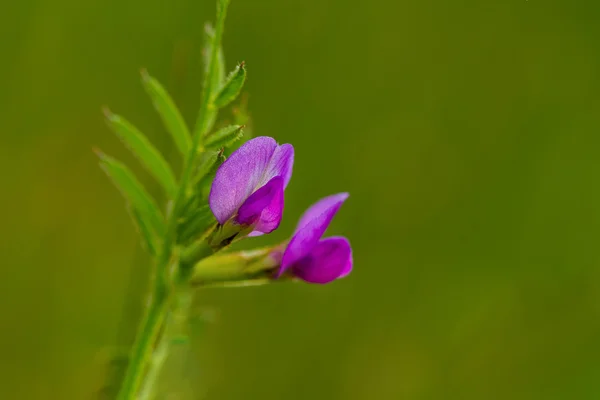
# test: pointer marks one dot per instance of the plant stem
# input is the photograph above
(143, 348)
(152, 326)
(178, 312)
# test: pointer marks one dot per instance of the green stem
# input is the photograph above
(148, 334)
(180, 306)
(158, 358)
(152, 326)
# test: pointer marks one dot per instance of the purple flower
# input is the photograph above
(311, 258)
(248, 187)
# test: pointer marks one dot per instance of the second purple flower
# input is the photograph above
(248, 187)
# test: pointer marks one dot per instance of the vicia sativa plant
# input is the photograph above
(214, 202)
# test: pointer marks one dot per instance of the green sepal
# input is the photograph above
(231, 88)
(224, 137)
(145, 152)
(235, 269)
(169, 113)
(137, 197)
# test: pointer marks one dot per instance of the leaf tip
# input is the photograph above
(99, 153)
(208, 28)
(145, 75)
(107, 113)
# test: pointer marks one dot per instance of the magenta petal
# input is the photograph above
(281, 164)
(311, 228)
(239, 176)
(330, 259)
(327, 206)
(348, 268)
(264, 208)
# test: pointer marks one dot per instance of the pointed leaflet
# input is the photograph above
(133, 191)
(204, 183)
(168, 112)
(217, 77)
(207, 114)
(231, 88)
(196, 225)
(224, 137)
(207, 167)
(141, 147)
(149, 239)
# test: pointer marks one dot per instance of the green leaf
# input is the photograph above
(135, 194)
(149, 240)
(207, 114)
(208, 164)
(215, 80)
(168, 112)
(231, 88)
(224, 137)
(141, 147)
(219, 75)
(196, 225)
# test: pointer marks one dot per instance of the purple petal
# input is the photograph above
(264, 208)
(239, 176)
(281, 164)
(348, 268)
(330, 259)
(311, 227)
(326, 206)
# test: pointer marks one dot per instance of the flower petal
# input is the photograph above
(311, 227)
(348, 267)
(281, 164)
(327, 206)
(239, 176)
(264, 208)
(330, 259)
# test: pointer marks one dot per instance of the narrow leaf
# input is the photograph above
(219, 75)
(205, 182)
(141, 147)
(214, 80)
(168, 112)
(224, 137)
(207, 114)
(196, 225)
(149, 239)
(208, 164)
(134, 193)
(231, 88)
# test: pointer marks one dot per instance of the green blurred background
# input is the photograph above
(465, 131)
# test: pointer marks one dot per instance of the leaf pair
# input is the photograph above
(219, 92)
(147, 216)
(144, 211)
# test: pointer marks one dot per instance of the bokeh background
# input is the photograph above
(467, 133)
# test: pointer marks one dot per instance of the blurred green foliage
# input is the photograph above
(466, 133)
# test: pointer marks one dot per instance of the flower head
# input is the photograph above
(248, 187)
(311, 258)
